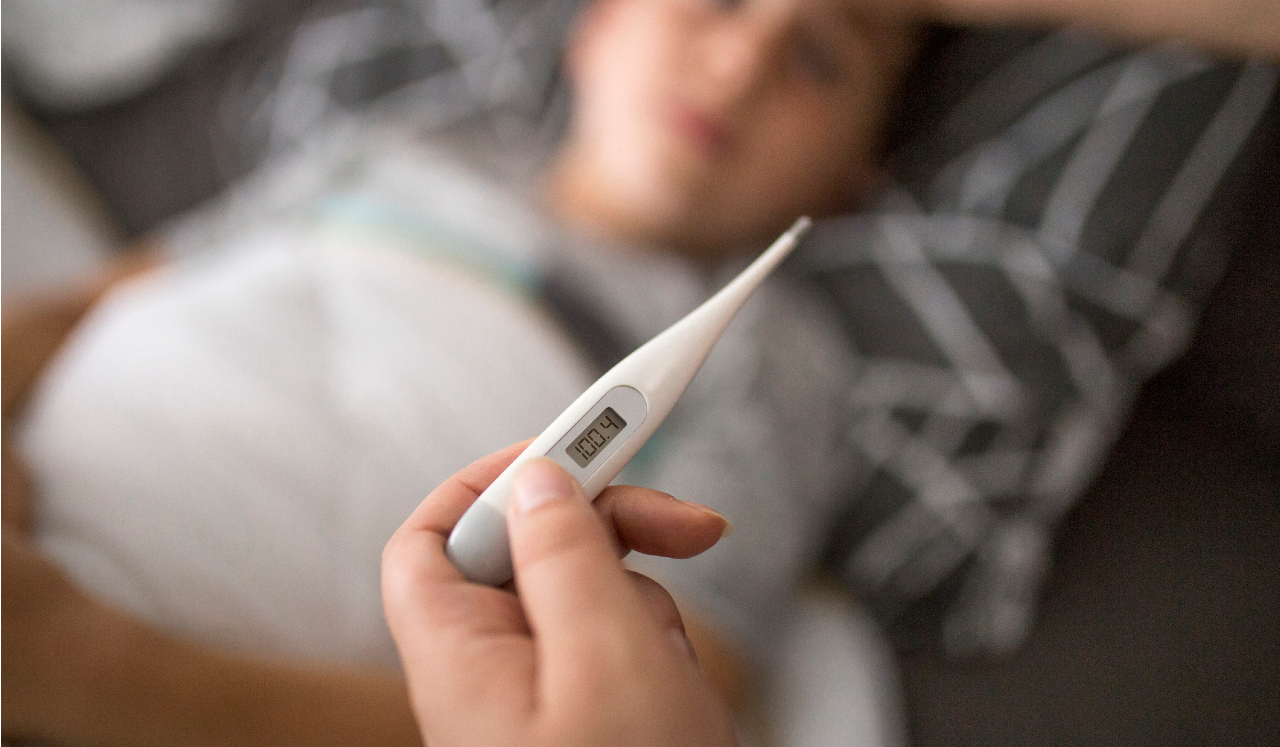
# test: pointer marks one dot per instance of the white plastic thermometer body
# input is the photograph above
(604, 428)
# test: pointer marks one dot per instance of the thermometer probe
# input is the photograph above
(604, 428)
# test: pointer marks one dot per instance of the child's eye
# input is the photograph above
(814, 58)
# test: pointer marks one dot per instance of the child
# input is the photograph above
(225, 445)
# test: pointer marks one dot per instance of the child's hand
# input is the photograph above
(587, 654)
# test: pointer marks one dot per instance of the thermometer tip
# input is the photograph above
(799, 228)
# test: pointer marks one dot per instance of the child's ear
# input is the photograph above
(587, 28)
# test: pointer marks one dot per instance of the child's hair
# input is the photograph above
(909, 112)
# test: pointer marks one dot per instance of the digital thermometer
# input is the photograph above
(605, 427)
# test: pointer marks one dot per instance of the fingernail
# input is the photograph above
(682, 643)
(728, 525)
(539, 481)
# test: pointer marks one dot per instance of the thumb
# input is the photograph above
(577, 597)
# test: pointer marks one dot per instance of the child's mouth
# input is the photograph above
(706, 132)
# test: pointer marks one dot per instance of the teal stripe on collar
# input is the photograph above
(427, 237)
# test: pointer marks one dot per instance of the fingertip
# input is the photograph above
(538, 482)
(549, 513)
(707, 510)
(566, 569)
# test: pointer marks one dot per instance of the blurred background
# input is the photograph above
(1159, 623)
(145, 109)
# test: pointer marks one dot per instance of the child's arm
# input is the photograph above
(1248, 27)
(79, 672)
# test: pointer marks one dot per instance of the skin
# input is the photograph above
(704, 126)
(586, 653)
(1234, 28)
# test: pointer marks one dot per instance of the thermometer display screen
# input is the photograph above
(597, 436)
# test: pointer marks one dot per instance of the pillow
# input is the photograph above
(1062, 209)
(428, 64)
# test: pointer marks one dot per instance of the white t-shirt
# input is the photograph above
(225, 449)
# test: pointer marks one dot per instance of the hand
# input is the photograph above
(585, 654)
(1235, 27)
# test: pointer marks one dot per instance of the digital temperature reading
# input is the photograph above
(597, 435)
(643, 387)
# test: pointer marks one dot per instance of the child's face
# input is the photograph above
(707, 123)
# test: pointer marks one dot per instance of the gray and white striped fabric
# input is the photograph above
(1044, 254)
(431, 63)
